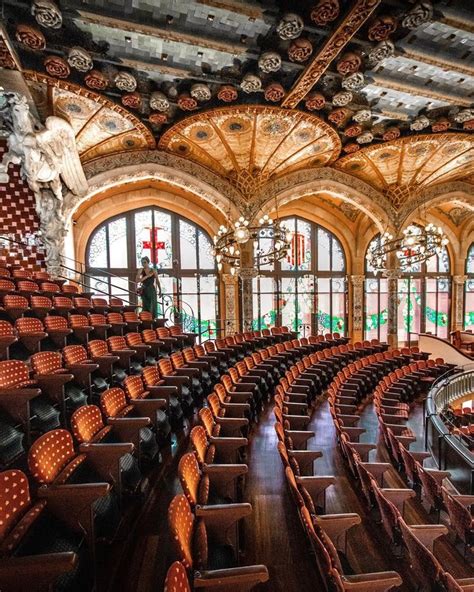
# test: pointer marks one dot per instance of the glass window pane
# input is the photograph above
(337, 256)
(288, 303)
(119, 287)
(118, 243)
(469, 306)
(99, 284)
(143, 235)
(163, 245)
(324, 253)
(206, 257)
(470, 260)
(303, 245)
(188, 245)
(289, 263)
(98, 249)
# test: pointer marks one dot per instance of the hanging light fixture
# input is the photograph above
(229, 240)
(415, 245)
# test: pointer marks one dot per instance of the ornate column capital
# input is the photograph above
(229, 279)
(357, 280)
(459, 280)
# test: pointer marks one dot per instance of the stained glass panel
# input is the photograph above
(163, 242)
(469, 306)
(98, 249)
(289, 263)
(143, 227)
(206, 257)
(324, 250)
(187, 245)
(118, 243)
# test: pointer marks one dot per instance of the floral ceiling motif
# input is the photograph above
(250, 145)
(404, 167)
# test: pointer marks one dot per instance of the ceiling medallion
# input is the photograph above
(420, 14)
(159, 101)
(270, 242)
(30, 37)
(80, 59)
(382, 51)
(325, 12)
(227, 93)
(47, 14)
(290, 27)
(251, 83)
(420, 123)
(125, 81)
(415, 245)
(201, 92)
(96, 80)
(270, 61)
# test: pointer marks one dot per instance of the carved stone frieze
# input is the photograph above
(357, 282)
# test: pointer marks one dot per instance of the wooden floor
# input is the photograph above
(273, 535)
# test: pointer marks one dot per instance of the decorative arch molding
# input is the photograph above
(133, 199)
(459, 191)
(328, 180)
(120, 169)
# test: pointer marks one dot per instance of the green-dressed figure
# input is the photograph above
(149, 282)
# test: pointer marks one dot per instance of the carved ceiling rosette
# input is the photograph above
(157, 118)
(300, 50)
(349, 63)
(251, 83)
(290, 26)
(201, 92)
(353, 81)
(325, 12)
(420, 123)
(132, 100)
(80, 59)
(351, 147)
(420, 14)
(391, 133)
(382, 27)
(186, 102)
(159, 101)
(30, 37)
(274, 92)
(57, 67)
(125, 81)
(269, 61)
(353, 130)
(227, 93)
(382, 51)
(365, 138)
(342, 98)
(464, 115)
(315, 101)
(47, 14)
(442, 124)
(362, 116)
(96, 80)
(468, 125)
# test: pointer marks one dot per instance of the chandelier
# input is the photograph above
(415, 245)
(271, 242)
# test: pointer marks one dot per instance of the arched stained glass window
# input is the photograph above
(423, 306)
(177, 248)
(307, 290)
(469, 291)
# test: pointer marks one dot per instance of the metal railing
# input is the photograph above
(448, 389)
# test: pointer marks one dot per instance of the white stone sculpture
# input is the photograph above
(48, 156)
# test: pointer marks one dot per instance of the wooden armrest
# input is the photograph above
(34, 572)
(398, 497)
(235, 578)
(428, 533)
(377, 469)
(105, 458)
(364, 450)
(337, 525)
(381, 581)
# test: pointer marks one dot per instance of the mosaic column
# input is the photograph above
(357, 285)
(392, 276)
(457, 322)
(246, 276)
(230, 303)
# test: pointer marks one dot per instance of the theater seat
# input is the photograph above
(163, 388)
(207, 532)
(38, 552)
(58, 330)
(31, 333)
(78, 363)
(148, 406)
(7, 338)
(80, 327)
(15, 306)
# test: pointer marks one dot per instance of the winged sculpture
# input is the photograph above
(46, 153)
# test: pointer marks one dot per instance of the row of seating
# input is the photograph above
(392, 395)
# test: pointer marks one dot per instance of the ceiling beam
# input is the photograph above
(253, 12)
(445, 62)
(160, 33)
(354, 19)
(412, 88)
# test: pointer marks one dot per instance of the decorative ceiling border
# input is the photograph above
(355, 18)
(33, 76)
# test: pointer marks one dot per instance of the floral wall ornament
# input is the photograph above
(420, 123)
(274, 92)
(391, 133)
(365, 138)
(157, 118)
(80, 59)
(468, 125)
(342, 98)
(362, 115)
(382, 51)
(159, 101)
(325, 12)
(353, 81)
(314, 101)
(132, 100)
(382, 27)
(251, 83)
(269, 61)
(96, 80)
(47, 14)
(125, 81)
(351, 147)
(300, 50)
(442, 124)
(420, 14)
(349, 63)
(354, 130)
(201, 92)
(30, 37)
(227, 93)
(464, 115)
(186, 102)
(57, 67)
(338, 116)
(290, 26)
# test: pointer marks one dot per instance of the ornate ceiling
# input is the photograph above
(257, 89)
(250, 145)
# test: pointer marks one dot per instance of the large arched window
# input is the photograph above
(423, 304)
(307, 290)
(469, 291)
(376, 302)
(177, 248)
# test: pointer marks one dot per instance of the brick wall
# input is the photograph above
(18, 220)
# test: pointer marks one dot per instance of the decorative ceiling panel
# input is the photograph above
(412, 162)
(254, 141)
